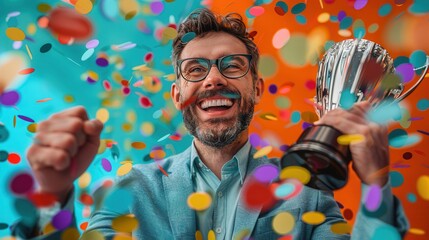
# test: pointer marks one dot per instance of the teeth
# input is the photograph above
(216, 103)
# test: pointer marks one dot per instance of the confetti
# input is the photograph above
(125, 223)
(62, 219)
(296, 172)
(67, 22)
(262, 152)
(313, 218)
(266, 173)
(349, 139)
(15, 34)
(341, 228)
(22, 183)
(124, 169)
(199, 201)
(423, 187)
(283, 223)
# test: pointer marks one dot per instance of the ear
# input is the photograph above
(259, 90)
(175, 95)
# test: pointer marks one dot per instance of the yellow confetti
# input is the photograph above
(84, 180)
(423, 187)
(83, 6)
(344, 33)
(31, 29)
(341, 228)
(138, 145)
(349, 139)
(14, 120)
(262, 152)
(269, 116)
(211, 235)
(158, 154)
(417, 231)
(283, 223)
(297, 172)
(313, 218)
(199, 201)
(70, 234)
(68, 99)
(48, 228)
(102, 115)
(127, 7)
(29, 52)
(170, 77)
(32, 127)
(125, 223)
(131, 116)
(92, 235)
(127, 127)
(124, 169)
(15, 34)
(147, 129)
(198, 235)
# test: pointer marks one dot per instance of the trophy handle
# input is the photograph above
(416, 84)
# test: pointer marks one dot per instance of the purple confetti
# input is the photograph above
(9, 98)
(373, 198)
(102, 62)
(157, 7)
(266, 173)
(26, 118)
(341, 15)
(254, 139)
(107, 166)
(62, 220)
(406, 71)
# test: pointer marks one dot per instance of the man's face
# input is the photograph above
(217, 109)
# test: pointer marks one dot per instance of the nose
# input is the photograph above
(214, 79)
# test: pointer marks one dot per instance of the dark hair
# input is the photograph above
(204, 21)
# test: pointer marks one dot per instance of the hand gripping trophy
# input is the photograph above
(359, 68)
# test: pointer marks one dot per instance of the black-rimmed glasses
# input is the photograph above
(230, 66)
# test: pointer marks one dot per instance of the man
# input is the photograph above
(216, 89)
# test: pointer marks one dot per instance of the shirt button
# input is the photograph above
(220, 194)
(218, 230)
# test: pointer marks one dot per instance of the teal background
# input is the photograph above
(56, 76)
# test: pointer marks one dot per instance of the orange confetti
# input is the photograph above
(188, 102)
(83, 226)
(162, 170)
(26, 71)
(14, 158)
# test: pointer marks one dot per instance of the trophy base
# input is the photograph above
(318, 151)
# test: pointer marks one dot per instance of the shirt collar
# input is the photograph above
(242, 158)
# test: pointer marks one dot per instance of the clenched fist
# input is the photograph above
(63, 148)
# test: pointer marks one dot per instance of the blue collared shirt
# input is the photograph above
(219, 217)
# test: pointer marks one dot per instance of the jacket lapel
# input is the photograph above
(245, 218)
(178, 186)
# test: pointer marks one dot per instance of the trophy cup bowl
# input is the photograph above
(362, 69)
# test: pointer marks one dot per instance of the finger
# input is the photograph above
(68, 124)
(360, 108)
(62, 140)
(77, 111)
(41, 157)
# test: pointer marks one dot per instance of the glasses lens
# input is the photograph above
(234, 66)
(194, 69)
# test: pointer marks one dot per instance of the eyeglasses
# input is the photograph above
(230, 66)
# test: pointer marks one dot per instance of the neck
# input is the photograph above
(215, 158)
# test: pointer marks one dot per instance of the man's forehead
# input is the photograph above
(213, 45)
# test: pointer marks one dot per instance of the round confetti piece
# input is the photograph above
(92, 235)
(295, 50)
(268, 66)
(84, 180)
(298, 8)
(280, 38)
(68, 22)
(9, 98)
(199, 201)
(102, 115)
(147, 128)
(68, 98)
(70, 234)
(22, 183)
(423, 104)
(423, 187)
(262, 152)
(125, 223)
(124, 169)
(373, 28)
(83, 226)
(385, 231)
(373, 198)
(396, 178)
(107, 166)
(102, 62)
(45, 48)
(256, 11)
(40, 199)
(341, 228)
(301, 19)
(359, 4)
(3, 156)
(87, 54)
(138, 145)
(283, 223)
(406, 71)
(256, 194)
(266, 173)
(14, 158)
(83, 6)
(349, 139)
(4, 133)
(272, 88)
(187, 37)
(3, 226)
(86, 199)
(92, 43)
(348, 214)
(296, 172)
(385, 10)
(156, 7)
(323, 17)
(211, 235)
(15, 34)
(313, 218)
(62, 219)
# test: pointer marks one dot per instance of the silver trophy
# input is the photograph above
(362, 69)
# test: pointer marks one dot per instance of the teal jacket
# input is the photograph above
(160, 205)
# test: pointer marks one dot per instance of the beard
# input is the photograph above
(215, 137)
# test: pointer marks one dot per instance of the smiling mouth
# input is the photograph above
(220, 104)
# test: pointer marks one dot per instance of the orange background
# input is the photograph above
(408, 33)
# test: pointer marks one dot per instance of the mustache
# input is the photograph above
(228, 93)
